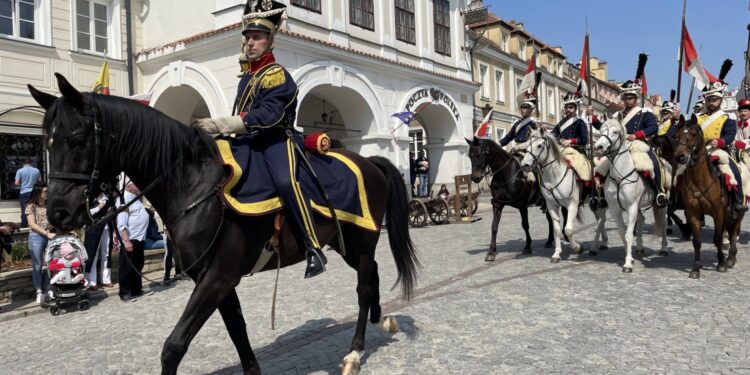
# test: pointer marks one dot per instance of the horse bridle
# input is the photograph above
(97, 184)
(540, 168)
(692, 157)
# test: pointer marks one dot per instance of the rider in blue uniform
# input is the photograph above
(521, 129)
(571, 130)
(265, 109)
(640, 124)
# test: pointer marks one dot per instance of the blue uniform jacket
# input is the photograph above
(577, 132)
(643, 124)
(728, 132)
(267, 98)
(518, 135)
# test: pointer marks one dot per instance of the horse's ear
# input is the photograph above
(468, 141)
(693, 118)
(69, 92)
(45, 100)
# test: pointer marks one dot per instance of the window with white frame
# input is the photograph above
(312, 5)
(362, 14)
(442, 20)
(499, 86)
(19, 18)
(92, 25)
(483, 76)
(504, 44)
(405, 29)
(551, 102)
(560, 68)
(521, 49)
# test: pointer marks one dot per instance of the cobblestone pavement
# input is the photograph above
(518, 315)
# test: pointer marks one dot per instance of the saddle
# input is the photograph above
(249, 189)
(578, 162)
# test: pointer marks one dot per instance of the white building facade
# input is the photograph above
(356, 62)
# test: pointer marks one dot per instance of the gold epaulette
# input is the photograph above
(273, 77)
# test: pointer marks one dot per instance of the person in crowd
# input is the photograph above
(423, 173)
(26, 177)
(443, 193)
(154, 239)
(36, 216)
(132, 225)
(93, 241)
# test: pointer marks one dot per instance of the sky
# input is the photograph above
(620, 30)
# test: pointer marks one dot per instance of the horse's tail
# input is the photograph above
(397, 222)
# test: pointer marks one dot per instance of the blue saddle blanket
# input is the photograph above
(249, 189)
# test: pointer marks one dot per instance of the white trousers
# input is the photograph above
(102, 253)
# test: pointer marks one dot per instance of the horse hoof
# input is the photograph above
(526, 252)
(695, 274)
(549, 245)
(663, 253)
(350, 365)
(554, 260)
(721, 268)
(593, 253)
(627, 269)
(578, 250)
(388, 324)
(603, 247)
(490, 257)
(731, 263)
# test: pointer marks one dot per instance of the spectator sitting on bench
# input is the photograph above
(154, 239)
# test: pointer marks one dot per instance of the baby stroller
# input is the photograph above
(65, 257)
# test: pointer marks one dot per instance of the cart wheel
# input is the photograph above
(439, 211)
(83, 305)
(53, 310)
(417, 214)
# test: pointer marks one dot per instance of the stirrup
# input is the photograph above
(316, 263)
(661, 200)
(740, 208)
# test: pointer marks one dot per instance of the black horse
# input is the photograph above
(94, 135)
(664, 146)
(509, 188)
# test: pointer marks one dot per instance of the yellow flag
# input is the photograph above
(101, 85)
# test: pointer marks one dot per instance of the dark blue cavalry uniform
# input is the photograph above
(577, 132)
(519, 132)
(267, 101)
(643, 124)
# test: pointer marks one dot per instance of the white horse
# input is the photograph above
(627, 191)
(558, 186)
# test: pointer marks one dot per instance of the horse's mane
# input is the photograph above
(493, 146)
(158, 142)
(554, 147)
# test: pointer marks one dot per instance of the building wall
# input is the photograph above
(25, 61)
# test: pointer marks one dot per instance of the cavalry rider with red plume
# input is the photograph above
(640, 124)
(265, 110)
(719, 130)
(668, 111)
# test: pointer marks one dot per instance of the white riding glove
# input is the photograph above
(221, 125)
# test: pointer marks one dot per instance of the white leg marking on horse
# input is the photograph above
(388, 324)
(350, 365)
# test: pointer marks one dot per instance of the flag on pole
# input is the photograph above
(144, 99)
(101, 85)
(408, 116)
(527, 84)
(693, 65)
(482, 131)
(583, 71)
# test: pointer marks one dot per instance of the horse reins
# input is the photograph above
(542, 167)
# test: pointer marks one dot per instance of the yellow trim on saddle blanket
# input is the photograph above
(713, 130)
(263, 207)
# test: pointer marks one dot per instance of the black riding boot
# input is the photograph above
(738, 206)
(316, 262)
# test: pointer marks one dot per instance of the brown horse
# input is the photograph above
(702, 192)
(95, 137)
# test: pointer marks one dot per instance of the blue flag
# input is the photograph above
(405, 117)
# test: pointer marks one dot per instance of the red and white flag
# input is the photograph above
(583, 71)
(527, 85)
(144, 99)
(693, 65)
(482, 131)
